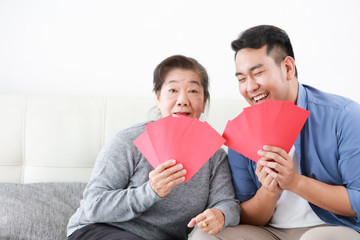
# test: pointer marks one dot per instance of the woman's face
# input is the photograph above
(181, 94)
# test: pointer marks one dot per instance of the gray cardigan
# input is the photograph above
(119, 193)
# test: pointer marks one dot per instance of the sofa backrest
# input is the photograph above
(57, 138)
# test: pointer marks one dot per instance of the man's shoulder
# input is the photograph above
(325, 99)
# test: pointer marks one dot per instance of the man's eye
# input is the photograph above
(258, 73)
(241, 79)
(193, 91)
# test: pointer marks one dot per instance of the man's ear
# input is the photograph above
(289, 64)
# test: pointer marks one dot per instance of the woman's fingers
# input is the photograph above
(211, 221)
(166, 176)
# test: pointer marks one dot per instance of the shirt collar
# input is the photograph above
(301, 98)
(301, 102)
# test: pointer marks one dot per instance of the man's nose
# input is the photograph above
(252, 85)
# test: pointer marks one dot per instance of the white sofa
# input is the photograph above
(48, 145)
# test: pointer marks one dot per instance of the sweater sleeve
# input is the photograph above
(221, 194)
(111, 195)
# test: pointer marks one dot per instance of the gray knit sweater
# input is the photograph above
(119, 193)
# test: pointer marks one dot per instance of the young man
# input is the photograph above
(312, 192)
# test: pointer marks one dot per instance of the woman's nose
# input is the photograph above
(182, 99)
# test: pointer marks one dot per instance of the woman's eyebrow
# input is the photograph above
(191, 81)
(171, 81)
(196, 82)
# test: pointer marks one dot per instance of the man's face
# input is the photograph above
(260, 78)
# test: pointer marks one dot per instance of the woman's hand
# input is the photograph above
(166, 176)
(211, 221)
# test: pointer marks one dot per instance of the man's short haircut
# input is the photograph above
(277, 42)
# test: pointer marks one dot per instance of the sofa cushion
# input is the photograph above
(37, 210)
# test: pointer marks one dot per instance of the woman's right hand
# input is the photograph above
(166, 176)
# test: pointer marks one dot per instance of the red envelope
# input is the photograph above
(235, 136)
(187, 140)
(144, 144)
(274, 123)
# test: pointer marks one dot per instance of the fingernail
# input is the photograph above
(266, 147)
(260, 152)
(261, 162)
(173, 162)
(184, 171)
(180, 166)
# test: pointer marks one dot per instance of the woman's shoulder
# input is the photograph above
(132, 132)
(219, 155)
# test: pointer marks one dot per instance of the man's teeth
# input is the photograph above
(257, 98)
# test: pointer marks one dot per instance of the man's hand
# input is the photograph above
(266, 180)
(279, 165)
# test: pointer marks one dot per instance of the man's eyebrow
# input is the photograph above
(256, 66)
(251, 69)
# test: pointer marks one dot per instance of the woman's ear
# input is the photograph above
(289, 64)
(157, 99)
(204, 107)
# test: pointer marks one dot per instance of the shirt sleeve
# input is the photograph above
(245, 181)
(348, 133)
(107, 197)
(221, 194)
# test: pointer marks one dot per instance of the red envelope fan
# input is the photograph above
(165, 132)
(256, 124)
(143, 143)
(283, 128)
(183, 131)
(187, 140)
(275, 123)
(239, 138)
(196, 147)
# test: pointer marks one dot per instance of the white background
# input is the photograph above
(100, 47)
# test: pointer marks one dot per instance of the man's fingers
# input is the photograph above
(274, 149)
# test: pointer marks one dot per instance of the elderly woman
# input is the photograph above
(126, 198)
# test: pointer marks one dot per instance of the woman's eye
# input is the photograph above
(172, 90)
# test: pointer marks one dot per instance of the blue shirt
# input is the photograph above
(328, 148)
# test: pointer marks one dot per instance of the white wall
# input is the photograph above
(100, 47)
